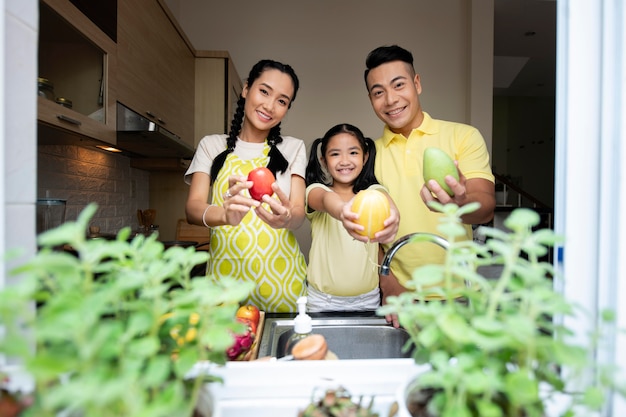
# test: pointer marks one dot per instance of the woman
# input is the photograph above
(250, 239)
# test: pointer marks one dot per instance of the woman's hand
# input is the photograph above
(279, 215)
(236, 205)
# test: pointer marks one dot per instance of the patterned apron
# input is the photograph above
(254, 251)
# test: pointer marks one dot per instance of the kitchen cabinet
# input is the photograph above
(218, 87)
(74, 65)
(155, 66)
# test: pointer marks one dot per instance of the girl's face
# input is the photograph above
(268, 99)
(344, 158)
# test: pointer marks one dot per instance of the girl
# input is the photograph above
(342, 273)
(250, 240)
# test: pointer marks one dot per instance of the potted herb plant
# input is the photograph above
(113, 328)
(495, 347)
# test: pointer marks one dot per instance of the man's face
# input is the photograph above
(394, 93)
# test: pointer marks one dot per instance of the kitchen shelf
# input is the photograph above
(75, 56)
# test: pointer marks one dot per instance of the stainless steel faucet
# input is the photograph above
(419, 237)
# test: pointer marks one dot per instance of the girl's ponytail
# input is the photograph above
(367, 177)
(315, 172)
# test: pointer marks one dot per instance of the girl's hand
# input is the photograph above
(387, 235)
(392, 223)
(236, 205)
(348, 218)
(279, 215)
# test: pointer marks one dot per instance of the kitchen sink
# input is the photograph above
(347, 337)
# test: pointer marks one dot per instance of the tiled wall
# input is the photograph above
(82, 175)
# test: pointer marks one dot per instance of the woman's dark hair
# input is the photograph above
(277, 162)
(315, 173)
(385, 54)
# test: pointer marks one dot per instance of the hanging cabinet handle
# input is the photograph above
(69, 120)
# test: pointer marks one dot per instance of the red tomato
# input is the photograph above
(262, 179)
(249, 312)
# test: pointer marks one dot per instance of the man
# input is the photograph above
(394, 88)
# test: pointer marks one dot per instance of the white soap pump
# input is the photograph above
(302, 325)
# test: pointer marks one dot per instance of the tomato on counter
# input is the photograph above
(249, 312)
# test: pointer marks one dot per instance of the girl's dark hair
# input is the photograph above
(315, 173)
(277, 162)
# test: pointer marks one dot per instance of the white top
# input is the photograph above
(293, 149)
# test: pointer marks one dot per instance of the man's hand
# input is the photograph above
(465, 191)
(389, 286)
(432, 191)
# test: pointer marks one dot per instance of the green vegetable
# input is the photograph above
(437, 164)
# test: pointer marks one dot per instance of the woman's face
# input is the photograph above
(344, 158)
(268, 99)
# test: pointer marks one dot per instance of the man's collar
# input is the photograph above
(427, 127)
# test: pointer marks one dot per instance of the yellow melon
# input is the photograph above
(373, 209)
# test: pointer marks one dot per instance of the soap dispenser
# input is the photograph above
(302, 326)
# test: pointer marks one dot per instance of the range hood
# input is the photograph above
(143, 138)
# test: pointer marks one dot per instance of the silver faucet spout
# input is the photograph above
(412, 237)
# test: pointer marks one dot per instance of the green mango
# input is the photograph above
(437, 164)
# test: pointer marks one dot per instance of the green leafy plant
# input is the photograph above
(493, 345)
(99, 326)
(337, 403)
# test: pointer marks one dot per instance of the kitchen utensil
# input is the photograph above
(45, 88)
(65, 102)
(50, 213)
(140, 218)
(149, 216)
(184, 243)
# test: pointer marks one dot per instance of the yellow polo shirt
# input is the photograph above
(398, 166)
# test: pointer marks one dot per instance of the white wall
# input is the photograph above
(18, 52)
(19, 72)
(590, 189)
(327, 41)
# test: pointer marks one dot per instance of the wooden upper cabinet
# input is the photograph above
(75, 59)
(155, 74)
(218, 87)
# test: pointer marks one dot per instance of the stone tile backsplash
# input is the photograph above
(81, 175)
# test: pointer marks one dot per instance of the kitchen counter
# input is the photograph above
(281, 389)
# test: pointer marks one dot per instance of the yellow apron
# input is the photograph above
(254, 251)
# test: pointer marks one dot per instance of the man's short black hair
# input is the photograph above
(384, 54)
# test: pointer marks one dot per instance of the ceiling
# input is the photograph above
(525, 48)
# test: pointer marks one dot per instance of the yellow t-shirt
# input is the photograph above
(399, 165)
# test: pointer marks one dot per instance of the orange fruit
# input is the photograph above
(372, 206)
